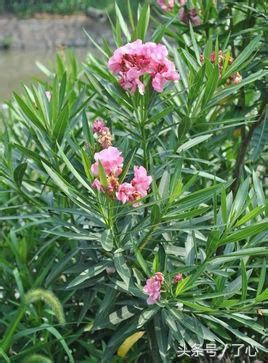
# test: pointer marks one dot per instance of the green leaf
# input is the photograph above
(193, 142)
(164, 185)
(74, 172)
(211, 84)
(161, 337)
(121, 314)
(90, 272)
(155, 214)
(237, 284)
(244, 280)
(102, 175)
(194, 43)
(61, 124)
(142, 262)
(244, 233)
(263, 296)
(86, 164)
(262, 277)
(259, 137)
(122, 22)
(143, 23)
(34, 358)
(62, 341)
(243, 56)
(19, 173)
(30, 115)
(181, 285)
(253, 213)
(106, 240)
(128, 160)
(222, 94)
(236, 332)
(196, 198)
(60, 266)
(121, 267)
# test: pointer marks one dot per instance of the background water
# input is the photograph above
(18, 67)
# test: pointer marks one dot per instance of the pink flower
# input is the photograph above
(159, 277)
(111, 160)
(97, 185)
(165, 72)
(136, 189)
(195, 19)
(178, 277)
(98, 126)
(166, 5)
(125, 193)
(189, 15)
(135, 59)
(141, 181)
(153, 288)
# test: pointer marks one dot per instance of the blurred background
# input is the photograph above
(34, 30)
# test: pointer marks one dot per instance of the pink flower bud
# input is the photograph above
(177, 278)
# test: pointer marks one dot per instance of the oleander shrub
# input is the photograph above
(133, 196)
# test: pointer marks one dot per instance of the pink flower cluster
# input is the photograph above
(112, 160)
(168, 5)
(137, 188)
(136, 59)
(185, 14)
(153, 287)
(102, 133)
(190, 15)
(154, 284)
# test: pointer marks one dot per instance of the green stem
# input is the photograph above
(141, 114)
(7, 340)
(111, 223)
(146, 239)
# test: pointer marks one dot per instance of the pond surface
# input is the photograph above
(18, 67)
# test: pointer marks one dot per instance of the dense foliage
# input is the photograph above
(75, 256)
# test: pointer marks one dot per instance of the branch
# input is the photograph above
(239, 164)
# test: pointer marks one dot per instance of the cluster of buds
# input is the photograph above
(102, 133)
(154, 284)
(110, 162)
(186, 14)
(190, 15)
(223, 60)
